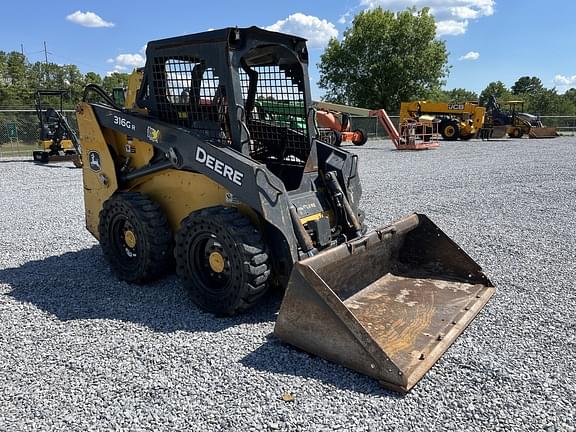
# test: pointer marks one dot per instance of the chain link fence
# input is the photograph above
(566, 125)
(20, 131)
(372, 126)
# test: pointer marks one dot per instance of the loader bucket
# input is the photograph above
(543, 132)
(387, 305)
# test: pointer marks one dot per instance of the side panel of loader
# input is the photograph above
(99, 176)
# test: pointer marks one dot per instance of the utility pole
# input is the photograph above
(22, 49)
(46, 58)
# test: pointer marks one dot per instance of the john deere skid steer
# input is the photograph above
(191, 175)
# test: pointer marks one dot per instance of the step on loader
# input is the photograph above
(190, 174)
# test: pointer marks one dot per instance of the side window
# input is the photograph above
(196, 99)
(277, 120)
(179, 80)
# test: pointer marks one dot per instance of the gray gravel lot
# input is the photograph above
(82, 351)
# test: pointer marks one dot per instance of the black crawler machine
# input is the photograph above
(190, 175)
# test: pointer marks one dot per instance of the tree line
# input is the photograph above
(19, 79)
(386, 58)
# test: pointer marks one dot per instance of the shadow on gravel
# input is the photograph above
(79, 285)
(276, 357)
(16, 160)
(55, 166)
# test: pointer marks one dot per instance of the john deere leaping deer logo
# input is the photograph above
(94, 160)
(152, 134)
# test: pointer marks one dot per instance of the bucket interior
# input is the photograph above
(413, 291)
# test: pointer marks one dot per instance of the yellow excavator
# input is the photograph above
(58, 141)
(192, 175)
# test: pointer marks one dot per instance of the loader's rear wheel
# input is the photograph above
(222, 259)
(360, 137)
(135, 237)
(451, 131)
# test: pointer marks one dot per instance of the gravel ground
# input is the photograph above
(82, 351)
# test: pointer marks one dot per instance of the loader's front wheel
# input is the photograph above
(451, 131)
(135, 237)
(222, 259)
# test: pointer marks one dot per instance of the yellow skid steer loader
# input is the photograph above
(190, 175)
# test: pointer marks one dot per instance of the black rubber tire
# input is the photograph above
(447, 133)
(41, 157)
(516, 133)
(466, 137)
(363, 139)
(247, 267)
(442, 125)
(153, 253)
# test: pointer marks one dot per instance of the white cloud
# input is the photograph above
(125, 62)
(471, 55)
(344, 18)
(135, 60)
(464, 12)
(451, 27)
(115, 70)
(452, 15)
(317, 31)
(563, 80)
(88, 19)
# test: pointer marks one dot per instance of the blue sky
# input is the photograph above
(488, 40)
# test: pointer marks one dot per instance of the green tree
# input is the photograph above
(496, 88)
(527, 85)
(570, 100)
(20, 79)
(460, 95)
(383, 59)
(93, 78)
(115, 79)
(547, 102)
(14, 79)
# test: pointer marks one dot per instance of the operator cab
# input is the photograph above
(245, 88)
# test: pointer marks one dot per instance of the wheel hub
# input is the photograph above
(216, 261)
(130, 239)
